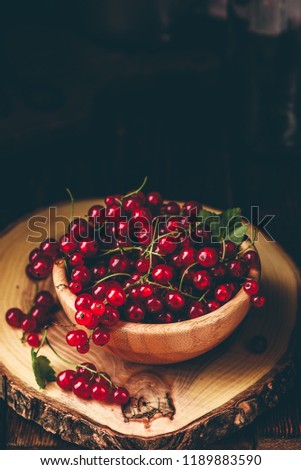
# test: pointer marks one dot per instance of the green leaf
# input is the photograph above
(238, 233)
(42, 369)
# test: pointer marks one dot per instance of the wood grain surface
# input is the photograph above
(207, 397)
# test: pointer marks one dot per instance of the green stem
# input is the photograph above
(116, 250)
(224, 250)
(184, 274)
(137, 190)
(72, 204)
(110, 276)
(249, 246)
(171, 288)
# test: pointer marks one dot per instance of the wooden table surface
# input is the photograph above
(271, 183)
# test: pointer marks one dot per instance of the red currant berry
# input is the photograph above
(154, 305)
(66, 378)
(29, 273)
(191, 208)
(42, 266)
(218, 271)
(29, 324)
(175, 300)
(143, 233)
(121, 396)
(162, 273)
(99, 392)
(202, 236)
(154, 200)
(131, 202)
(141, 214)
(251, 287)
(207, 257)
(83, 348)
(88, 247)
(223, 293)
(188, 256)
(44, 298)
(14, 317)
(83, 301)
(142, 265)
(99, 291)
(119, 264)
(99, 270)
(76, 338)
(111, 200)
(202, 280)
(33, 254)
(145, 291)
(96, 215)
(232, 286)
(67, 244)
(167, 245)
(38, 312)
(134, 313)
(83, 316)
(134, 293)
(81, 274)
(170, 208)
(113, 213)
(237, 268)
(83, 372)
(93, 323)
(33, 340)
(252, 259)
(115, 295)
(77, 259)
(81, 388)
(111, 316)
(176, 223)
(197, 309)
(50, 247)
(213, 305)
(78, 228)
(164, 317)
(75, 287)
(100, 336)
(258, 300)
(229, 249)
(98, 308)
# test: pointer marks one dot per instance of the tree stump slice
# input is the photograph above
(175, 406)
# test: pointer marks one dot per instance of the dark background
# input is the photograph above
(205, 109)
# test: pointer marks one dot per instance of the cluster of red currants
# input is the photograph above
(85, 382)
(39, 315)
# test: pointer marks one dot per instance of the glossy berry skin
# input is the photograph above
(33, 340)
(66, 378)
(99, 271)
(14, 317)
(83, 316)
(154, 200)
(99, 291)
(76, 338)
(75, 287)
(223, 293)
(88, 248)
(111, 316)
(113, 213)
(141, 214)
(111, 200)
(115, 296)
(202, 280)
(121, 396)
(84, 348)
(33, 254)
(98, 308)
(213, 305)
(50, 247)
(45, 299)
(207, 257)
(142, 265)
(167, 245)
(154, 305)
(170, 208)
(258, 300)
(78, 228)
(119, 264)
(100, 336)
(197, 309)
(83, 372)
(39, 313)
(77, 259)
(131, 202)
(175, 301)
(81, 274)
(67, 244)
(99, 392)
(134, 293)
(218, 271)
(251, 287)
(29, 273)
(201, 236)
(42, 266)
(145, 291)
(134, 313)
(143, 233)
(237, 268)
(82, 388)
(252, 259)
(230, 249)
(188, 256)
(162, 273)
(164, 317)
(176, 260)
(191, 208)
(96, 215)
(83, 301)
(29, 324)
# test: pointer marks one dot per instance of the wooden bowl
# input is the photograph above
(167, 343)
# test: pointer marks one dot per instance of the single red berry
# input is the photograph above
(170, 208)
(83, 301)
(202, 280)
(81, 388)
(100, 336)
(176, 260)
(93, 323)
(162, 273)
(219, 270)
(78, 228)
(83, 372)
(99, 291)
(176, 223)
(77, 259)
(213, 305)
(252, 259)
(154, 200)
(83, 348)
(145, 291)
(191, 208)
(115, 295)
(121, 396)
(99, 392)
(197, 309)
(134, 292)
(30, 274)
(251, 287)
(103, 379)
(119, 264)
(81, 274)
(45, 299)
(237, 268)
(83, 316)
(76, 338)
(42, 266)
(67, 244)
(207, 256)
(111, 200)
(134, 313)
(110, 317)
(88, 247)
(141, 214)
(154, 305)
(66, 378)
(188, 256)
(14, 317)
(75, 287)
(33, 340)
(167, 244)
(164, 317)
(98, 308)
(229, 249)
(202, 236)
(131, 202)
(223, 293)
(39, 313)
(113, 213)
(175, 300)
(50, 247)
(33, 254)
(258, 300)
(29, 324)
(97, 215)
(99, 270)
(142, 265)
